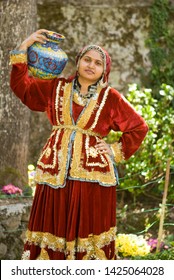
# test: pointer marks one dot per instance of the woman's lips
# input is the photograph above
(89, 71)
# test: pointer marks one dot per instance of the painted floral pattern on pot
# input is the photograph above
(47, 61)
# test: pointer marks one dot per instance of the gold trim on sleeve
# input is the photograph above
(117, 151)
(18, 58)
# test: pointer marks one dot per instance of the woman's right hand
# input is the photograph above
(37, 36)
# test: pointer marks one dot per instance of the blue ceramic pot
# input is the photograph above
(47, 61)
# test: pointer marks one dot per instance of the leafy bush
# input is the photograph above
(162, 255)
(161, 43)
(144, 172)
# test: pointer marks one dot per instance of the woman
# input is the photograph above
(74, 209)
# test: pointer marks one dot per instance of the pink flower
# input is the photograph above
(11, 189)
(153, 243)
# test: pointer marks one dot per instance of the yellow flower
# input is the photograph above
(31, 167)
(131, 245)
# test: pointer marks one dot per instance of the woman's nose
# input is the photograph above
(91, 64)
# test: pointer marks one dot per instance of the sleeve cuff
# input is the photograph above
(18, 57)
(116, 149)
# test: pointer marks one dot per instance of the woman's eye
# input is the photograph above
(87, 59)
(98, 63)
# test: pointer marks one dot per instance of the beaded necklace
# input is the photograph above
(82, 99)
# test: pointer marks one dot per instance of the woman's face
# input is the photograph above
(91, 67)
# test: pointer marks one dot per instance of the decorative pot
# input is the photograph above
(47, 61)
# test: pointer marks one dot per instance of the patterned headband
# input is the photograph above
(92, 47)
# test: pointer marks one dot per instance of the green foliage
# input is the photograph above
(162, 255)
(9, 174)
(161, 44)
(27, 191)
(144, 172)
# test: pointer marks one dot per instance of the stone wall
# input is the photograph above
(119, 26)
(14, 216)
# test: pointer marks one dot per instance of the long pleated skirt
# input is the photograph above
(77, 222)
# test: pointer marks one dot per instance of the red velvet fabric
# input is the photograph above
(79, 208)
(75, 211)
(117, 113)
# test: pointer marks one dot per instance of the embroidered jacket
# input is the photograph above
(70, 150)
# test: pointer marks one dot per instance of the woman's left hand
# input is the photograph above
(103, 148)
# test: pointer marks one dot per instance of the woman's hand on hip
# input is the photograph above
(103, 148)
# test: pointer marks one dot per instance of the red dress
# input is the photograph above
(74, 209)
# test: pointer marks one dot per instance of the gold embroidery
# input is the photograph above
(77, 171)
(100, 109)
(44, 152)
(62, 157)
(93, 152)
(26, 255)
(43, 255)
(45, 177)
(92, 245)
(71, 249)
(44, 239)
(76, 128)
(83, 120)
(47, 152)
(56, 101)
(78, 150)
(117, 151)
(64, 153)
(88, 150)
(100, 241)
(18, 58)
(95, 253)
(66, 104)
